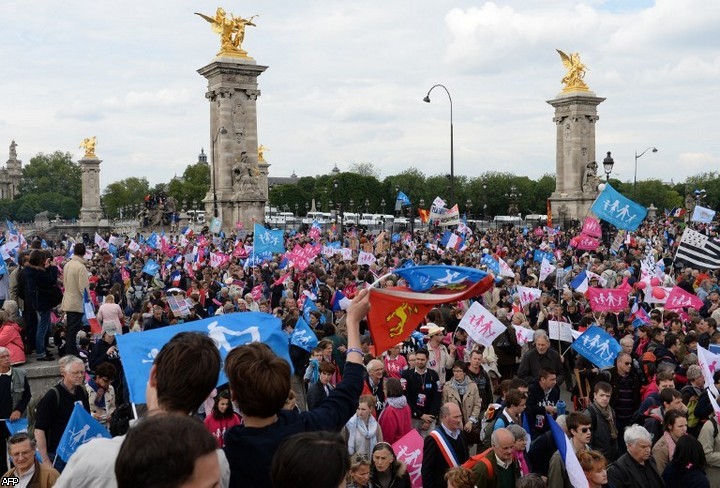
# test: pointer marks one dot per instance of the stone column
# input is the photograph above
(575, 118)
(90, 212)
(232, 92)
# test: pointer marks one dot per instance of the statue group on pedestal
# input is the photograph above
(590, 180)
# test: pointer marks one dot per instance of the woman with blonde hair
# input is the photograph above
(359, 474)
(362, 431)
(594, 465)
(110, 313)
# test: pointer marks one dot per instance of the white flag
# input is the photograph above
(709, 363)
(561, 331)
(346, 253)
(133, 246)
(366, 258)
(100, 241)
(481, 325)
(545, 269)
(702, 214)
(528, 295)
(505, 269)
(523, 335)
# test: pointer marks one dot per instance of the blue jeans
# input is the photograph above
(42, 330)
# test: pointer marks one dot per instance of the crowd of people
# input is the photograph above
(485, 413)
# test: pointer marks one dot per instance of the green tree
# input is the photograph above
(129, 191)
(193, 186)
(49, 182)
(365, 169)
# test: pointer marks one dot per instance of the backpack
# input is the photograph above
(120, 420)
(491, 417)
(481, 458)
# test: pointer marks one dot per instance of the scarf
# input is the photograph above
(99, 397)
(396, 402)
(460, 387)
(368, 432)
(607, 413)
(670, 444)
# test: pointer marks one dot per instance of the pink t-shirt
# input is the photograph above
(395, 367)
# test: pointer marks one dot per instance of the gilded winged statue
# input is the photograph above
(573, 79)
(89, 144)
(231, 30)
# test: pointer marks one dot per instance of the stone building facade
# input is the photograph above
(10, 175)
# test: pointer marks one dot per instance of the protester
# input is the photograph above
(259, 384)
(504, 469)
(444, 447)
(359, 473)
(674, 427)
(362, 431)
(164, 450)
(594, 465)
(710, 439)
(459, 477)
(386, 470)
(294, 465)
(463, 392)
(221, 418)
(579, 432)
(520, 447)
(543, 356)
(396, 418)
(543, 395)
(101, 393)
(27, 470)
(604, 427)
(11, 337)
(688, 464)
(636, 468)
(14, 398)
(423, 392)
(75, 284)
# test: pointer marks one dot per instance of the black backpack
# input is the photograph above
(120, 420)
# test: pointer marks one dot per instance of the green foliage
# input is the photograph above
(129, 191)
(49, 182)
(192, 187)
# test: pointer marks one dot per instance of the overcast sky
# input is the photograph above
(346, 80)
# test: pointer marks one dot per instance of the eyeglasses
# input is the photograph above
(627, 363)
(585, 430)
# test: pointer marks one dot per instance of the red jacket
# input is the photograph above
(395, 423)
(11, 339)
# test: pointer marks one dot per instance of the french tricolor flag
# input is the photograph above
(567, 453)
(187, 232)
(90, 314)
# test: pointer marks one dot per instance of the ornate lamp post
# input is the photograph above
(468, 204)
(608, 164)
(513, 197)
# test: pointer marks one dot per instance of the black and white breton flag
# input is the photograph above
(698, 250)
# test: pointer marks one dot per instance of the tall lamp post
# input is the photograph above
(452, 151)
(513, 197)
(608, 164)
(638, 156)
(221, 130)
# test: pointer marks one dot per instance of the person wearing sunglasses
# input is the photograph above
(579, 428)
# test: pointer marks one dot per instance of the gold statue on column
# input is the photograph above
(232, 32)
(89, 144)
(573, 79)
(261, 153)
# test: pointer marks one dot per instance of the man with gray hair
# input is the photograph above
(55, 408)
(499, 469)
(445, 443)
(14, 398)
(374, 383)
(636, 468)
(691, 394)
(543, 356)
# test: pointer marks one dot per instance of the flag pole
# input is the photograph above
(134, 409)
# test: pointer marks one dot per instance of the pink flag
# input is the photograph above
(604, 300)
(409, 449)
(586, 243)
(538, 231)
(591, 227)
(679, 298)
(256, 293)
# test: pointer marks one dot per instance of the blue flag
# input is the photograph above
(538, 256)
(139, 349)
(3, 267)
(620, 211)
(303, 336)
(151, 267)
(396, 237)
(152, 241)
(309, 306)
(80, 429)
(267, 242)
(597, 346)
(20, 425)
(424, 278)
(492, 264)
(403, 198)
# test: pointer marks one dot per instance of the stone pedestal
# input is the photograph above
(90, 212)
(576, 180)
(235, 175)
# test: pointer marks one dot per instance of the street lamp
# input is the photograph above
(513, 197)
(398, 203)
(221, 130)
(452, 156)
(422, 205)
(382, 206)
(638, 156)
(468, 204)
(608, 164)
